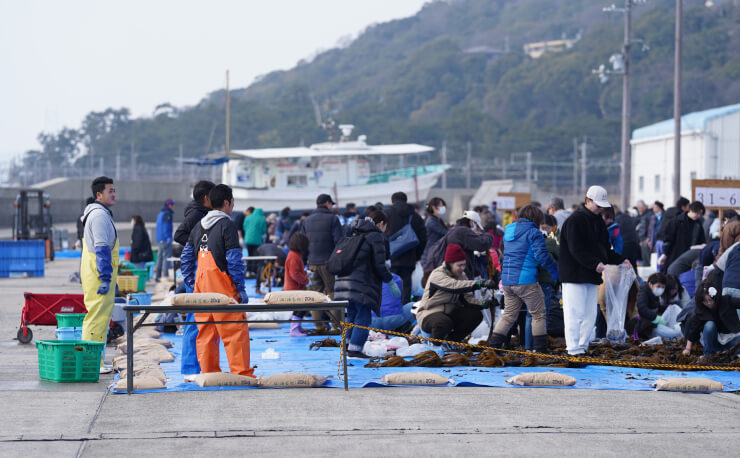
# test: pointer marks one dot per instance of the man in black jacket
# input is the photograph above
(195, 210)
(681, 233)
(323, 229)
(584, 252)
(630, 242)
(404, 264)
(682, 206)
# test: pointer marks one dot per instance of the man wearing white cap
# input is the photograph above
(584, 252)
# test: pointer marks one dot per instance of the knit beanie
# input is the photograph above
(454, 253)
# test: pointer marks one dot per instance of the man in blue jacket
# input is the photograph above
(164, 238)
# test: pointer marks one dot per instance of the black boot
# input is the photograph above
(540, 344)
(496, 340)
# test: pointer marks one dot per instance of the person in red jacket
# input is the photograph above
(295, 277)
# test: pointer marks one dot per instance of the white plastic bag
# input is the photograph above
(413, 350)
(397, 342)
(618, 280)
(416, 288)
(376, 348)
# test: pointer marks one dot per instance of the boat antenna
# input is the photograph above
(228, 103)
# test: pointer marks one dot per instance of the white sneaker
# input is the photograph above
(106, 369)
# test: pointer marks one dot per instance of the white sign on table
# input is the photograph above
(719, 197)
(506, 203)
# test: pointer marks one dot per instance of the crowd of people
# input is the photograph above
(404, 269)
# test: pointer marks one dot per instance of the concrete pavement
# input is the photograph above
(43, 419)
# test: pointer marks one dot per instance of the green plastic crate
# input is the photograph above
(70, 320)
(69, 360)
(143, 274)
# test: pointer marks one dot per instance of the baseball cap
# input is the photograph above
(473, 216)
(598, 195)
(169, 202)
(324, 198)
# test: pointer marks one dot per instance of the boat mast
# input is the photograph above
(228, 123)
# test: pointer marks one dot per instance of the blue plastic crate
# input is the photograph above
(22, 257)
(68, 333)
(140, 298)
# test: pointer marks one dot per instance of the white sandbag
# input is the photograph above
(155, 372)
(414, 378)
(688, 385)
(292, 380)
(542, 379)
(119, 363)
(224, 379)
(618, 280)
(141, 383)
(264, 325)
(199, 299)
(140, 344)
(161, 355)
(413, 350)
(295, 297)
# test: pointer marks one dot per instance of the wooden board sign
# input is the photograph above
(513, 200)
(717, 194)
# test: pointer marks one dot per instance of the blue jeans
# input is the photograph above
(392, 322)
(709, 339)
(189, 363)
(358, 314)
(165, 251)
(528, 341)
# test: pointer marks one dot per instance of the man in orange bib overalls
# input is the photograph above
(211, 262)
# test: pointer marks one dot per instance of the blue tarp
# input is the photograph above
(295, 356)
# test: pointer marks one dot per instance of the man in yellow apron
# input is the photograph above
(99, 266)
(211, 262)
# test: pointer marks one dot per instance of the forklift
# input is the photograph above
(32, 219)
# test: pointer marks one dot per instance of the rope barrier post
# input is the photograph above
(344, 351)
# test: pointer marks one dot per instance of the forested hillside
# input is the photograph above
(455, 72)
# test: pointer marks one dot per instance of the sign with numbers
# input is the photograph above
(717, 194)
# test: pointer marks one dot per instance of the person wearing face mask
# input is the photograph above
(435, 225)
(651, 309)
(584, 252)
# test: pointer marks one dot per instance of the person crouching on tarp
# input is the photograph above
(211, 262)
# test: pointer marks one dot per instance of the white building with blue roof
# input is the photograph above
(710, 149)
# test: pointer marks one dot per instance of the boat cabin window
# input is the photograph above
(297, 180)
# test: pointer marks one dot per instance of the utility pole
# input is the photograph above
(575, 166)
(677, 108)
(468, 168)
(118, 164)
(179, 167)
(133, 163)
(626, 162)
(529, 166)
(444, 161)
(584, 152)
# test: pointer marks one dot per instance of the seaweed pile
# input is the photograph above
(328, 342)
(630, 351)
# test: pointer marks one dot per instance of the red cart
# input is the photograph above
(41, 309)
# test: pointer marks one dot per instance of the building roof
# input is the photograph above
(689, 122)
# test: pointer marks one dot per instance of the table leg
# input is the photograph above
(344, 353)
(129, 351)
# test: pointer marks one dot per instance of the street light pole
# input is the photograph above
(677, 108)
(626, 163)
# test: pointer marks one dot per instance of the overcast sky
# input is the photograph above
(60, 59)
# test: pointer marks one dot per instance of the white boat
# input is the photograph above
(274, 178)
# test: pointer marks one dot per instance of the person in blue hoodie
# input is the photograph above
(524, 250)
(164, 238)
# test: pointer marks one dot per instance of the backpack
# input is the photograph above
(435, 254)
(403, 240)
(344, 257)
